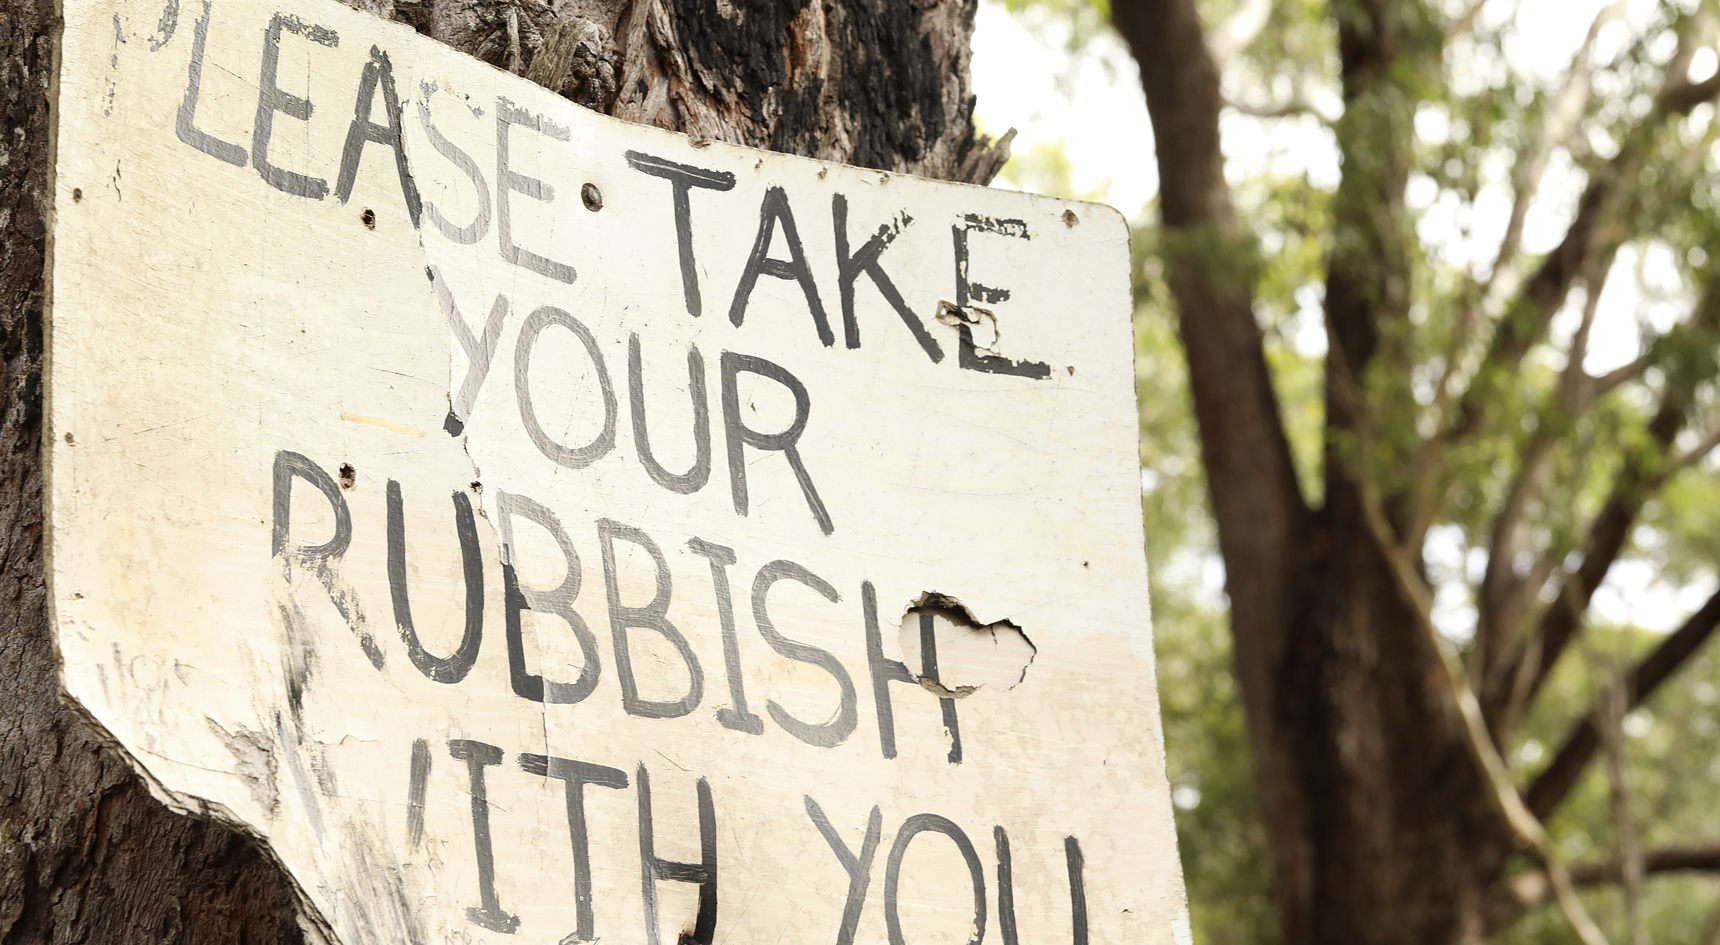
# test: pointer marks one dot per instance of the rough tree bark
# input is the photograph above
(86, 855)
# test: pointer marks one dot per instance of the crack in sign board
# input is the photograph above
(530, 564)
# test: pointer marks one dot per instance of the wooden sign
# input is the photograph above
(541, 528)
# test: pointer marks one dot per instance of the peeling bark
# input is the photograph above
(86, 854)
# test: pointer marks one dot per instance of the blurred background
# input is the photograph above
(1517, 119)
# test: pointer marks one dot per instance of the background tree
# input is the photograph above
(86, 855)
(1415, 512)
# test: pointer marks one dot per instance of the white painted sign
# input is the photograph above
(542, 528)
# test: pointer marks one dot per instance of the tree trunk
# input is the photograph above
(1406, 842)
(86, 854)
(1403, 844)
(1379, 821)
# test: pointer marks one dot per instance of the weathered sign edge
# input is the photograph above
(318, 929)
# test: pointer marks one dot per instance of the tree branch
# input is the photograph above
(1618, 375)
(1696, 453)
(1596, 227)
(1611, 716)
(1471, 374)
(1561, 119)
(1256, 498)
(1506, 277)
(1555, 782)
(1691, 859)
(1507, 691)
(1300, 102)
(1679, 94)
(1531, 888)
(1460, 698)
(1527, 827)
(1646, 469)
(1426, 467)
(1691, 94)
(1289, 109)
(1505, 596)
(1526, 319)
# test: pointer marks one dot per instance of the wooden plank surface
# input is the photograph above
(539, 527)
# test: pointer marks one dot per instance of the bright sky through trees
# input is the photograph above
(1091, 106)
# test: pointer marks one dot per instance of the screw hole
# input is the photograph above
(369, 217)
(77, 194)
(592, 196)
(348, 476)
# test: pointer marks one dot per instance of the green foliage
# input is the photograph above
(1673, 748)
(1290, 221)
(1469, 113)
(1079, 21)
(1686, 517)
(1219, 829)
(1299, 39)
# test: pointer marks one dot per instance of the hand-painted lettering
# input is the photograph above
(271, 99)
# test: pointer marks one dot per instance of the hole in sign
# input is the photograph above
(957, 654)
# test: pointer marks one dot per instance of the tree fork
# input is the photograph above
(86, 854)
(1380, 824)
